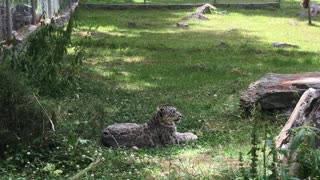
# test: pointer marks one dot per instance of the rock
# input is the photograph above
(302, 14)
(278, 92)
(132, 24)
(284, 45)
(135, 148)
(222, 12)
(293, 23)
(182, 25)
(315, 9)
(232, 30)
(222, 44)
(24, 9)
(200, 67)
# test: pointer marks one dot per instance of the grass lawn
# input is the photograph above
(129, 71)
(174, 1)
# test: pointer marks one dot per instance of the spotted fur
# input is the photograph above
(159, 131)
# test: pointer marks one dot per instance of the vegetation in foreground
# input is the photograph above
(129, 71)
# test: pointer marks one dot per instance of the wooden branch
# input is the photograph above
(45, 112)
(87, 169)
(198, 14)
(298, 115)
(304, 112)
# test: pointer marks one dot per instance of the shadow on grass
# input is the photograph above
(130, 71)
(288, 9)
(136, 74)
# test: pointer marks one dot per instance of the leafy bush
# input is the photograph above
(302, 154)
(304, 142)
(22, 117)
(44, 59)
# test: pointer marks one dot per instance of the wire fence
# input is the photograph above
(15, 14)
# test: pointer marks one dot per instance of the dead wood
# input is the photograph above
(200, 11)
(306, 112)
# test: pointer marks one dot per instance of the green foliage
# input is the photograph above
(242, 168)
(302, 150)
(22, 120)
(274, 154)
(253, 152)
(129, 71)
(57, 160)
(305, 142)
(43, 58)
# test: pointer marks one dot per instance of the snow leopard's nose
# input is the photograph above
(179, 115)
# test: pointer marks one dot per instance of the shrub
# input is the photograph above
(22, 117)
(43, 58)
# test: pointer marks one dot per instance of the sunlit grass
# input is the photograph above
(174, 1)
(131, 70)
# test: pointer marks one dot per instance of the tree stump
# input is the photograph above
(200, 11)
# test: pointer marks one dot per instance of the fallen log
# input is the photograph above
(307, 111)
(200, 11)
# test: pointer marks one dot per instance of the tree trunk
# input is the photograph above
(301, 113)
(34, 16)
(200, 11)
(306, 111)
(309, 12)
(70, 4)
(9, 20)
(49, 9)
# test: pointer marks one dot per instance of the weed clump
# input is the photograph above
(22, 119)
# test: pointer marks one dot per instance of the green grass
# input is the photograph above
(174, 1)
(130, 71)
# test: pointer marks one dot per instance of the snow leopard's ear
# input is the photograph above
(160, 110)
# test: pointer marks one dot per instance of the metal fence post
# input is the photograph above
(9, 19)
(49, 9)
(33, 9)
